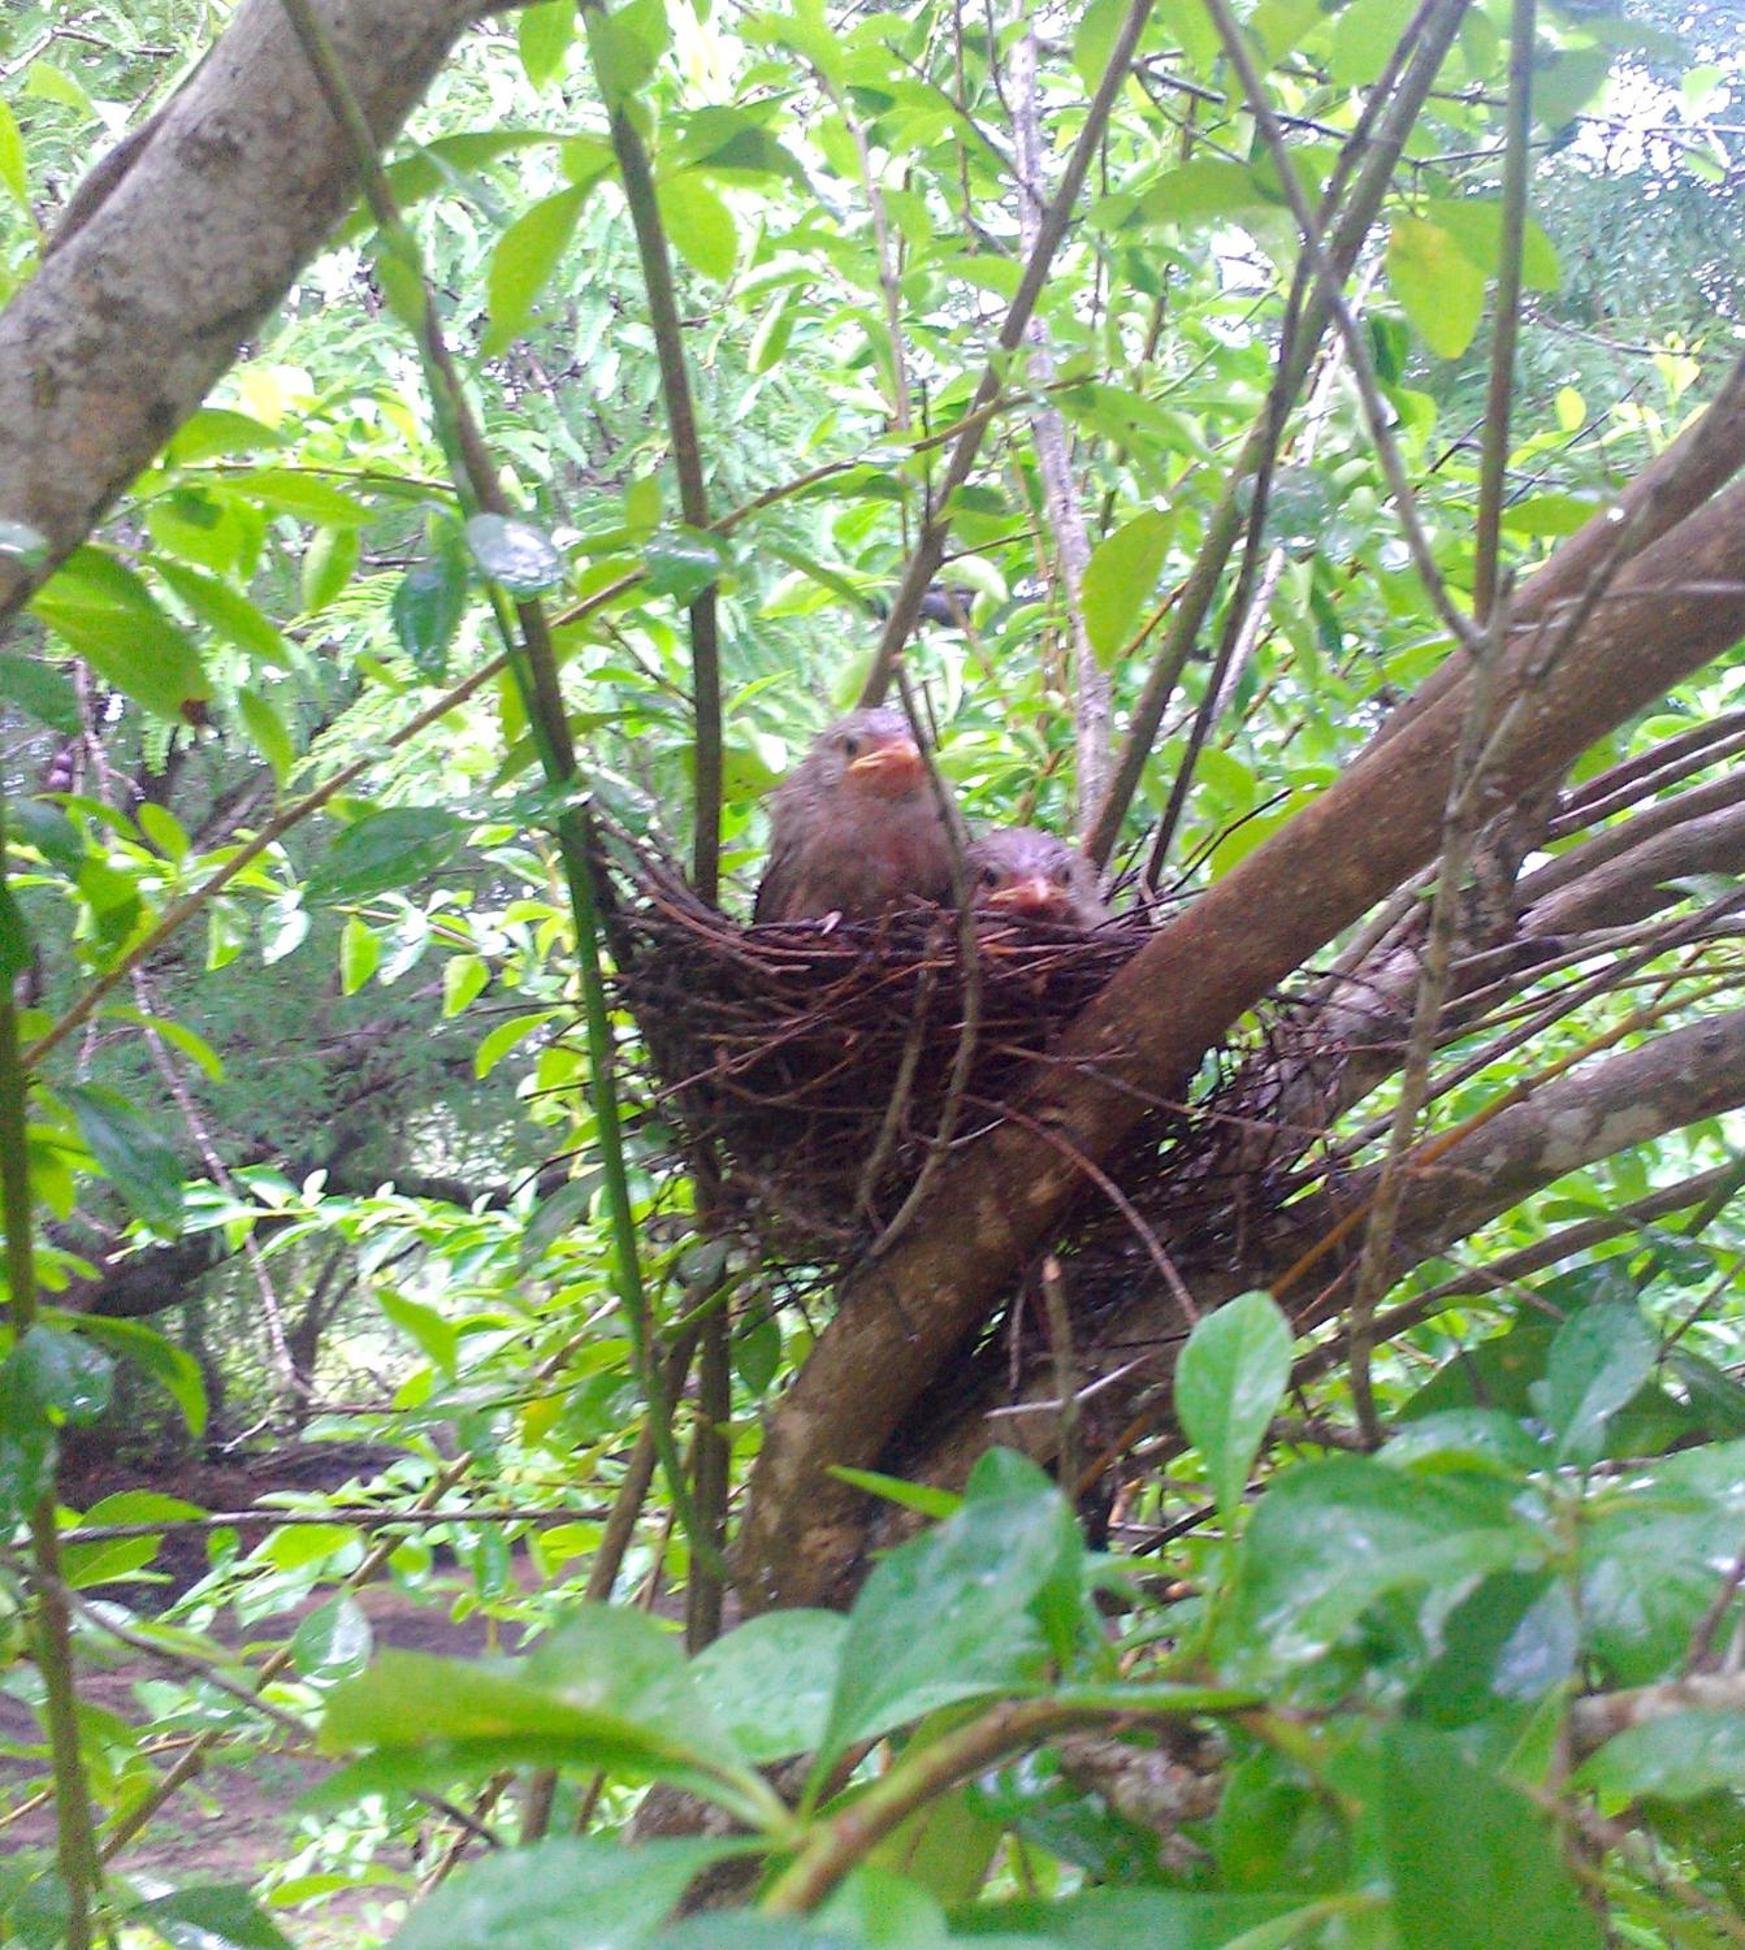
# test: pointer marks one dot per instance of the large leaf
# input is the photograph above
(1474, 1865)
(1678, 1758)
(948, 1616)
(527, 254)
(699, 224)
(105, 612)
(1601, 1356)
(1120, 576)
(1229, 1381)
(1133, 1919)
(1438, 284)
(173, 1368)
(572, 1894)
(770, 1682)
(211, 1916)
(1331, 1537)
(135, 1155)
(385, 850)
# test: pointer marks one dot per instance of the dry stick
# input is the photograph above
(930, 549)
(1494, 453)
(534, 665)
(675, 385)
(1433, 31)
(1059, 1313)
(1091, 698)
(125, 1827)
(75, 1838)
(365, 1519)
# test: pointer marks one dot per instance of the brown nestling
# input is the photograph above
(855, 827)
(1017, 870)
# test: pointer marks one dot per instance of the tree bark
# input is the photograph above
(903, 1316)
(187, 246)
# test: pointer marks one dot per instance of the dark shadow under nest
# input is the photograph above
(817, 1063)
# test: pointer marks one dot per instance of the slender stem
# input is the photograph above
(930, 550)
(1432, 32)
(1494, 453)
(669, 345)
(76, 1843)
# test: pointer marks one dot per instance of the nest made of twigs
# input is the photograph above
(824, 1063)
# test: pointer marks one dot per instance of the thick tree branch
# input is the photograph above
(995, 1202)
(130, 322)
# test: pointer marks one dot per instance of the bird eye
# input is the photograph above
(850, 746)
(1061, 875)
(990, 876)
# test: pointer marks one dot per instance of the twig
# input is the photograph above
(1494, 454)
(1059, 1315)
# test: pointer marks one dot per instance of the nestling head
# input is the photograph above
(871, 752)
(1019, 870)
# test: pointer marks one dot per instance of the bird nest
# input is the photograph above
(825, 1064)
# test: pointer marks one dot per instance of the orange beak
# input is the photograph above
(1032, 896)
(889, 770)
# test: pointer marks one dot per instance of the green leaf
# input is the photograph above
(503, 1038)
(51, 832)
(1364, 38)
(1502, 1887)
(14, 177)
(106, 613)
(229, 613)
(1120, 577)
(304, 497)
(577, 1893)
(924, 1498)
(463, 981)
(682, 562)
(1094, 39)
(1134, 1919)
(332, 1642)
(1439, 286)
(267, 732)
(1476, 225)
(16, 952)
(1329, 1538)
(219, 431)
(1565, 84)
(699, 224)
(948, 1616)
(515, 554)
(1203, 191)
(1600, 1358)
(211, 1916)
(1230, 1379)
(27, 1443)
(434, 1336)
(133, 1152)
(173, 1368)
(626, 45)
(360, 954)
(328, 565)
(1678, 1758)
(65, 1374)
(526, 256)
(543, 35)
(429, 604)
(770, 1682)
(46, 693)
(385, 850)
(1514, 1638)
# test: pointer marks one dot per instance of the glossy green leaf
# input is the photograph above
(135, 1155)
(1502, 1887)
(328, 565)
(1601, 1356)
(333, 1641)
(171, 1367)
(1677, 1758)
(682, 562)
(50, 831)
(385, 850)
(699, 224)
(1439, 286)
(626, 44)
(360, 954)
(211, 1916)
(429, 604)
(42, 690)
(108, 616)
(229, 613)
(65, 1374)
(574, 1893)
(14, 178)
(527, 254)
(1119, 579)
(1229, 1382)
(770, 1682)
(267, 732)
(515, 554)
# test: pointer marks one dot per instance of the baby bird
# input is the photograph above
(1019, 870)
(855, 827)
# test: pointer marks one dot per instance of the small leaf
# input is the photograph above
(385, 850)
(515, 554)
(134, 1154)
(173, 1368)
(328, 565)
(211, 1916)
(699, 224)
(267, 733)
(682, 562)
(463, 981)
(65, 1374)
(626, 44)
(1229, 1382)
(1121, 574)
(107, 614)
(503, 1038)
(333, 1642)
(360, 954)
(1600, 1358)
(16, 952)
(543, 35)
(51, 832)
(770, 1682)
(13, 175)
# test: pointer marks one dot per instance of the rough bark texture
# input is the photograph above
(1677, 605)
(128, 324)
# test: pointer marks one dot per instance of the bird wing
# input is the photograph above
(776, 889)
